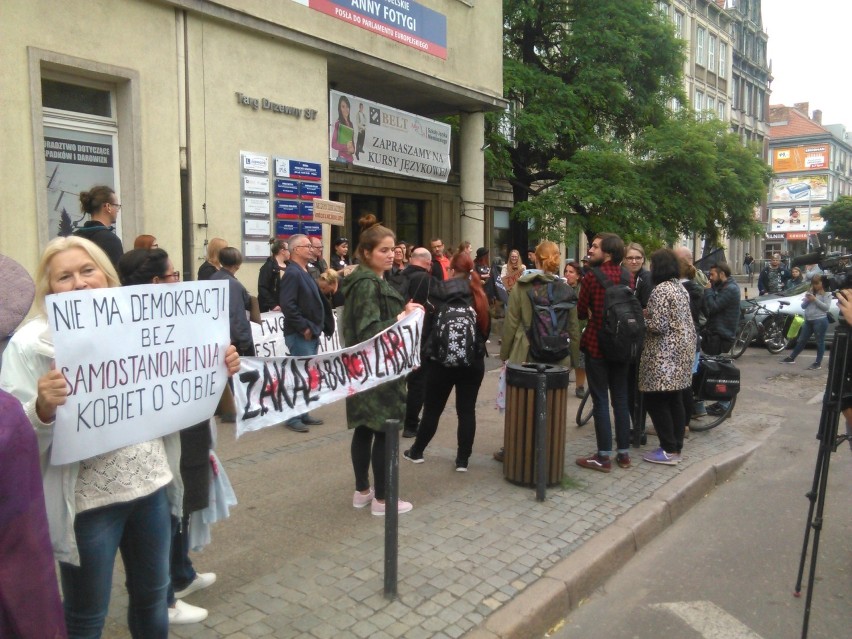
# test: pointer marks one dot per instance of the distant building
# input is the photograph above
(813, 166)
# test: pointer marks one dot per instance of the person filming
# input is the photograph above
(816, 303)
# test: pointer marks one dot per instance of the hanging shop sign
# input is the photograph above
(376, 136)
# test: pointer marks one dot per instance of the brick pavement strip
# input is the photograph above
(482, 560)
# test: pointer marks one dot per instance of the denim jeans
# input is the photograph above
(816, 327)
(299, 346)
(608, 384)
(141, 530)
(440, 380)
(181, 570)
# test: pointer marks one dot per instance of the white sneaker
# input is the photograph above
(202, 580)
(186, 613)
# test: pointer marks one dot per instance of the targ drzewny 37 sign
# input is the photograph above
(405, 21)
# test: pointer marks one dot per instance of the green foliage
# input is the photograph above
(594, 146)
(838, 218)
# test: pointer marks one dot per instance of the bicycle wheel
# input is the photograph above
(711, 421)
(773, 337)
(585, 411)
(745, 336)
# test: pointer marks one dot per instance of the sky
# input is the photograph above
(809, 48)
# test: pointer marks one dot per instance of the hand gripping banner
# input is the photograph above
(271, 390)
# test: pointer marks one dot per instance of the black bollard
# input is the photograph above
(391, 506)
(540, 432)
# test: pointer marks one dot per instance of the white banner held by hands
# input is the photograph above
(140, 362)
(271, 390)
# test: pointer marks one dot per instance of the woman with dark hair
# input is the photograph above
(573, 274)
(463, 289)
(372, 306)
(142, 266)
(665, 366)
(101, 204)
(270, 276)
(342, 138)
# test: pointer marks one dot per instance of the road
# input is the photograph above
(727, 569)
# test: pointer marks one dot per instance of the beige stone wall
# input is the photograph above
(223, 61)
(105, 36)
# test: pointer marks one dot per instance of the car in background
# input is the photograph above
(793, 297)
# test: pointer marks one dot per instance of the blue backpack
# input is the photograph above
(548, 332)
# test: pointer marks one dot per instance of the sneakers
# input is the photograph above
(186, 613)
(499, 455)
(699, 415)
(787, 360)
(814, 367)
(623, 460)
(408, 433)
(580, 392)
(297, 427)
(595, 462)
(307, 420)
(378, 508)
(716, 410)
(359, 500)
(413, 457)
(461, 465)
(660, 456)
(202, 580)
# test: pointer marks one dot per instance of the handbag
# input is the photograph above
(716, 380)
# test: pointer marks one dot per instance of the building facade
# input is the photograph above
(813, 167)
(201, 114)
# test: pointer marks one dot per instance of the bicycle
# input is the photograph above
(697, 424)
(763, 323)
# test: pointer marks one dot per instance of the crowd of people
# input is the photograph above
(139, 500)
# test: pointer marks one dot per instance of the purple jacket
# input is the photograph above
(30, 607)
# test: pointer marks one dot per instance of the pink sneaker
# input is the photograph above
(359, 500)
(378, 508)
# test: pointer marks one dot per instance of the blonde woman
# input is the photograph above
(211, 264)
(120, 500)
(512, 270)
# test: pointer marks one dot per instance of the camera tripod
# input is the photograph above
(838, 370)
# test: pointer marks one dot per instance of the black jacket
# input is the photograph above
(722, 308)
(268, 281)
(301, 302)
(104, 237)
(420, 284)
(240, 302)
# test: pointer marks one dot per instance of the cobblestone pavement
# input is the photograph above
(296, 560)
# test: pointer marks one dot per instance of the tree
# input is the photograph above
(838, 218)
(594, 146)
(585, 75)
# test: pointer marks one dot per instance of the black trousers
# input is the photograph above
(666, 411)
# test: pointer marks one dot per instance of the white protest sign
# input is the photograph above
(271, 390)
(268, 336)
(140, 362)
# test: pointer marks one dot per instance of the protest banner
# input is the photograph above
(140, 362)
(271, 390)
(268, 336)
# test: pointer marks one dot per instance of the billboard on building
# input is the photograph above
(799, 189)
(795, 218)
(376, 136)
(805, 157)
(405, 21)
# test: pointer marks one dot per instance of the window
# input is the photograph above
(663, 8)
(720, 108)
(675, 105)
(409, 221)
(711, 105)
(723, 59)
(80, 148)
(361, 205)
(500, 235)
(700, 36)
(711, 53)
(699, 103)
(678, 24)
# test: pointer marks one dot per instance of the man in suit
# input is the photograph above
(301, 302)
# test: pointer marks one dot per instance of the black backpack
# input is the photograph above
(623, 325)
(453, 339)
(548, 331)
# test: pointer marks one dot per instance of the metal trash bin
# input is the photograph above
(519, 431)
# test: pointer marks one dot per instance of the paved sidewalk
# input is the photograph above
(478, 556)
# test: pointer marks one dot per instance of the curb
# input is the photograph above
(564, 586)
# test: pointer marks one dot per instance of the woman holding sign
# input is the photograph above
(372, 306)
(119, 500)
